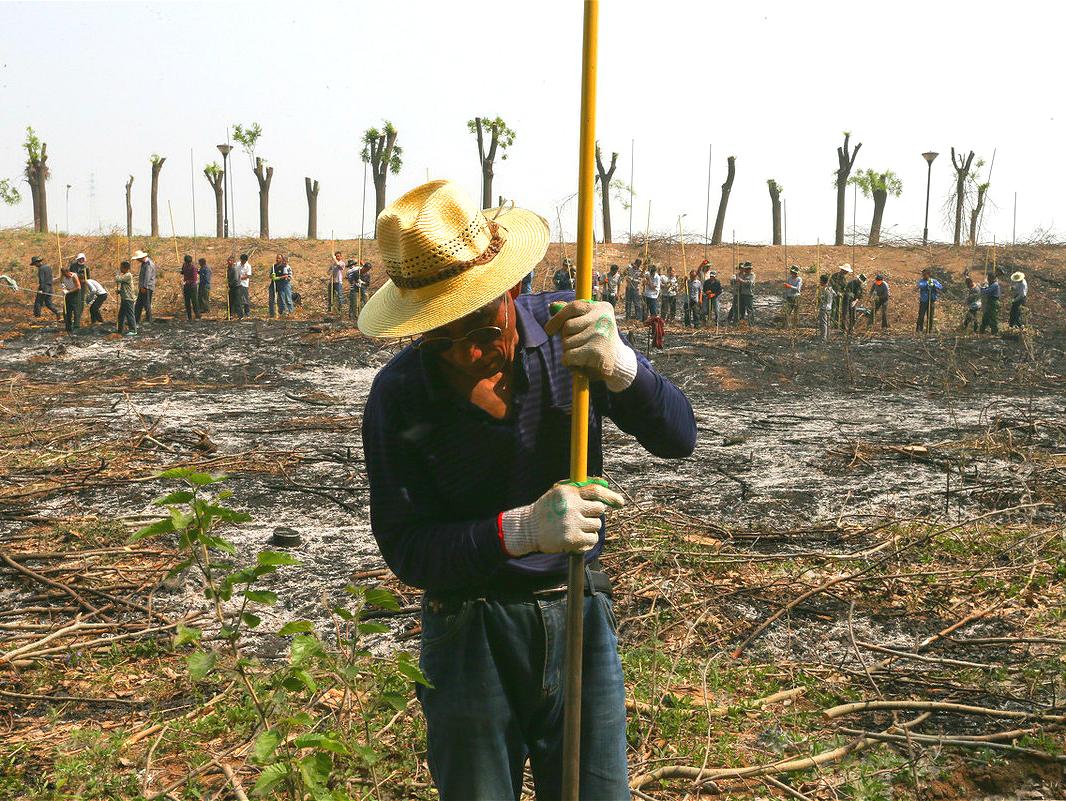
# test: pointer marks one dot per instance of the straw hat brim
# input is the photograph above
(395, 312)
(1019, 276)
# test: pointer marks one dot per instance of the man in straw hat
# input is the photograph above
(1020, 290)
(466, 434)
(793, 287)
(146, 276)
(837, 282)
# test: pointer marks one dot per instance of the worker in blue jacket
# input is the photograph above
(467, 435)
(929, 290)
(991, 292)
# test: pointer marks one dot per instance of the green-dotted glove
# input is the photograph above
(592, 345)
(565, 518)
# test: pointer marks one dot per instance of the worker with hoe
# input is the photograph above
(45, 288)
(467, 435)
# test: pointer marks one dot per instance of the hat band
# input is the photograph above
(454, 269)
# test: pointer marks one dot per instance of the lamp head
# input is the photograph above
(930, 156)
(224, 149)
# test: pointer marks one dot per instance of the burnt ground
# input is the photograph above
(924, 473)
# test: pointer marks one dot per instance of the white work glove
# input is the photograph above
(565, 518)
(591, 343)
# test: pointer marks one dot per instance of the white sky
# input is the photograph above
(773, 83)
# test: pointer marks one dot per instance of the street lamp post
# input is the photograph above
(225, 150)
(68, 208)
(928, 180)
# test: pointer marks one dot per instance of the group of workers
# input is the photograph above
(841, 298)
(79, 289)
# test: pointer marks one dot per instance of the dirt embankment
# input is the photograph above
(1044, 265)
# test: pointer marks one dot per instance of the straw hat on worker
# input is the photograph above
(446, 258)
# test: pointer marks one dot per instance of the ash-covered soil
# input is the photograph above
(793, 433)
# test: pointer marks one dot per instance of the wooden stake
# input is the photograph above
(173, 234)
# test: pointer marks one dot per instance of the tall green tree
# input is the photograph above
(501, 137)
(383, 155)
(878, 185)
(845, 161)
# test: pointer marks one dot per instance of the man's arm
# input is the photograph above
(653, 411)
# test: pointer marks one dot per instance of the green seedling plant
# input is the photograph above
(300, 751)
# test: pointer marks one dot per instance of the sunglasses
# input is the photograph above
(485, 335)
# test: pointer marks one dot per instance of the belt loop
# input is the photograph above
(591, 587)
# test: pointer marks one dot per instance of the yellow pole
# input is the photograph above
(579, 421)
(59, 247)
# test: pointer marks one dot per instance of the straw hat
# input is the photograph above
(845, 267)
(1018, 276)
(446, 259)
(140, 254)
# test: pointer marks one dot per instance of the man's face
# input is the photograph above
(81, 260)
(279, 259)
(231, 261)
(480, 360)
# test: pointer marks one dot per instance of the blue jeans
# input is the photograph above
(284, 290)
(497, 670)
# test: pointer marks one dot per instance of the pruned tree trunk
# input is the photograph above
(312, 208)
(880, 199)
(975, 214)
(264, 175)
(775, 209)
(845, 162)
(487, 162)
(129, 208)
(962, 170)
(380, 158)
(157, 165)
(31, 179)
(719, 220)
(606, 176)
(217, 181)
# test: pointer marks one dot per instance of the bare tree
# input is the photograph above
(248, 138)
(775, 207)
(962, 172)
(383, 155)
(129, 208)
(312, 208)
(264, 175)
(501, 138)
(37, 173)
(975, 212)
(845, 162)
(878, 185)
(216, 176)
(719, 220)
(605, 177)
(157, 166)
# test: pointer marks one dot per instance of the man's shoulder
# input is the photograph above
(398, 379)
